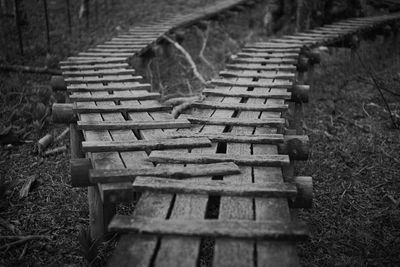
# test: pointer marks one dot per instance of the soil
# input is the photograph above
(354, 156)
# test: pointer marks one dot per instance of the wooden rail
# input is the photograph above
(224, 178)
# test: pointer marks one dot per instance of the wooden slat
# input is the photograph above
(85, 61)
(261, 67)
(234, 82)
(266, 122)
(109, 66)
(264, 60)
(268, 55)
(100, 72)
(83, 108)
(214, 188)
(255, 74)
(242, 229)
(144, 145)
(106, 79)
(144, 96)
(105, 54)
(277, 95)
(236, 138)
(240, 106)
(270, 50)
(250, 160)
(108, 87)
(134, 125)
(175, 172)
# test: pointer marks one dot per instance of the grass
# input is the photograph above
(354, 162)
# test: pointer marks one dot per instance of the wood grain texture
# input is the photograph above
(135, 125)
(84, 108)
(238, 121)
(214, 188)
(234, 82)
(256, 74)
(249, 160)
(235, 138)
(259, 66)
(241, 229)
(144, 145)
(277, 95)
(240, 106)
(108, 87)
(168, 171)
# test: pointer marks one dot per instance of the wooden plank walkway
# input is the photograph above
(236, 208)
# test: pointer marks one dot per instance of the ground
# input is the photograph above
(354, 156)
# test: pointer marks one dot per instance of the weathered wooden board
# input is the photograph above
(242, 229)
(277, 95)
(266, 122)
(104, 79)
(111, 97)
(108, 87)
(258, 74)
(214, 188)
(240, 106)
(144, 145)
(110, 66)
(84, 108)
(190, 158)
(169, 171)
(236, 138)
(269, 67)
(100, 72)
(265, 84)
(134, 125)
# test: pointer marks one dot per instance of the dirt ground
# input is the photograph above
(354, 157)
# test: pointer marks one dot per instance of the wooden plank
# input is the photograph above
(265, 84)
(268, 55)
(270, 50)
(266, 122)
(277, 95)
(144, 145)
(135, 125)
(105, 54)
(250, 160)
(108, 87)
(112, 50)
(214, 188)
(273, 45)
(240, 229)
(99, 72)
(256, 74)
(144, 96)
(240, 106)
(84, 108)
(175, 172)
(236, 138)
(269, 67)
(85, 61)
(106, 79)
(109, 66)
(264, 60)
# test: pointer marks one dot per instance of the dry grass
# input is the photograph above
(355, 162)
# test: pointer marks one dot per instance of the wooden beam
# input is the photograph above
(261, 67)
(85, 61)
(99, 72)
(133, 125)
(264, 60)
(85, 80)
(267, 122)
(174, 172)
(108, 87)
(250, 94)
(240, 106)
(234, 82)
(214, 188)
(144, 145)
(242, 229)
(110, 66)
(143, 96)
(272, 139)
(248, 160)
(247, 74)
(83, 108)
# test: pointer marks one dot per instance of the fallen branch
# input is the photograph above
(204, 37)
(62, 135)
(21, 240)
(57, 150)
(29, 69)
(188, 58)
(182, 103)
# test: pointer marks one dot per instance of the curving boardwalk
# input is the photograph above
(235, 210)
